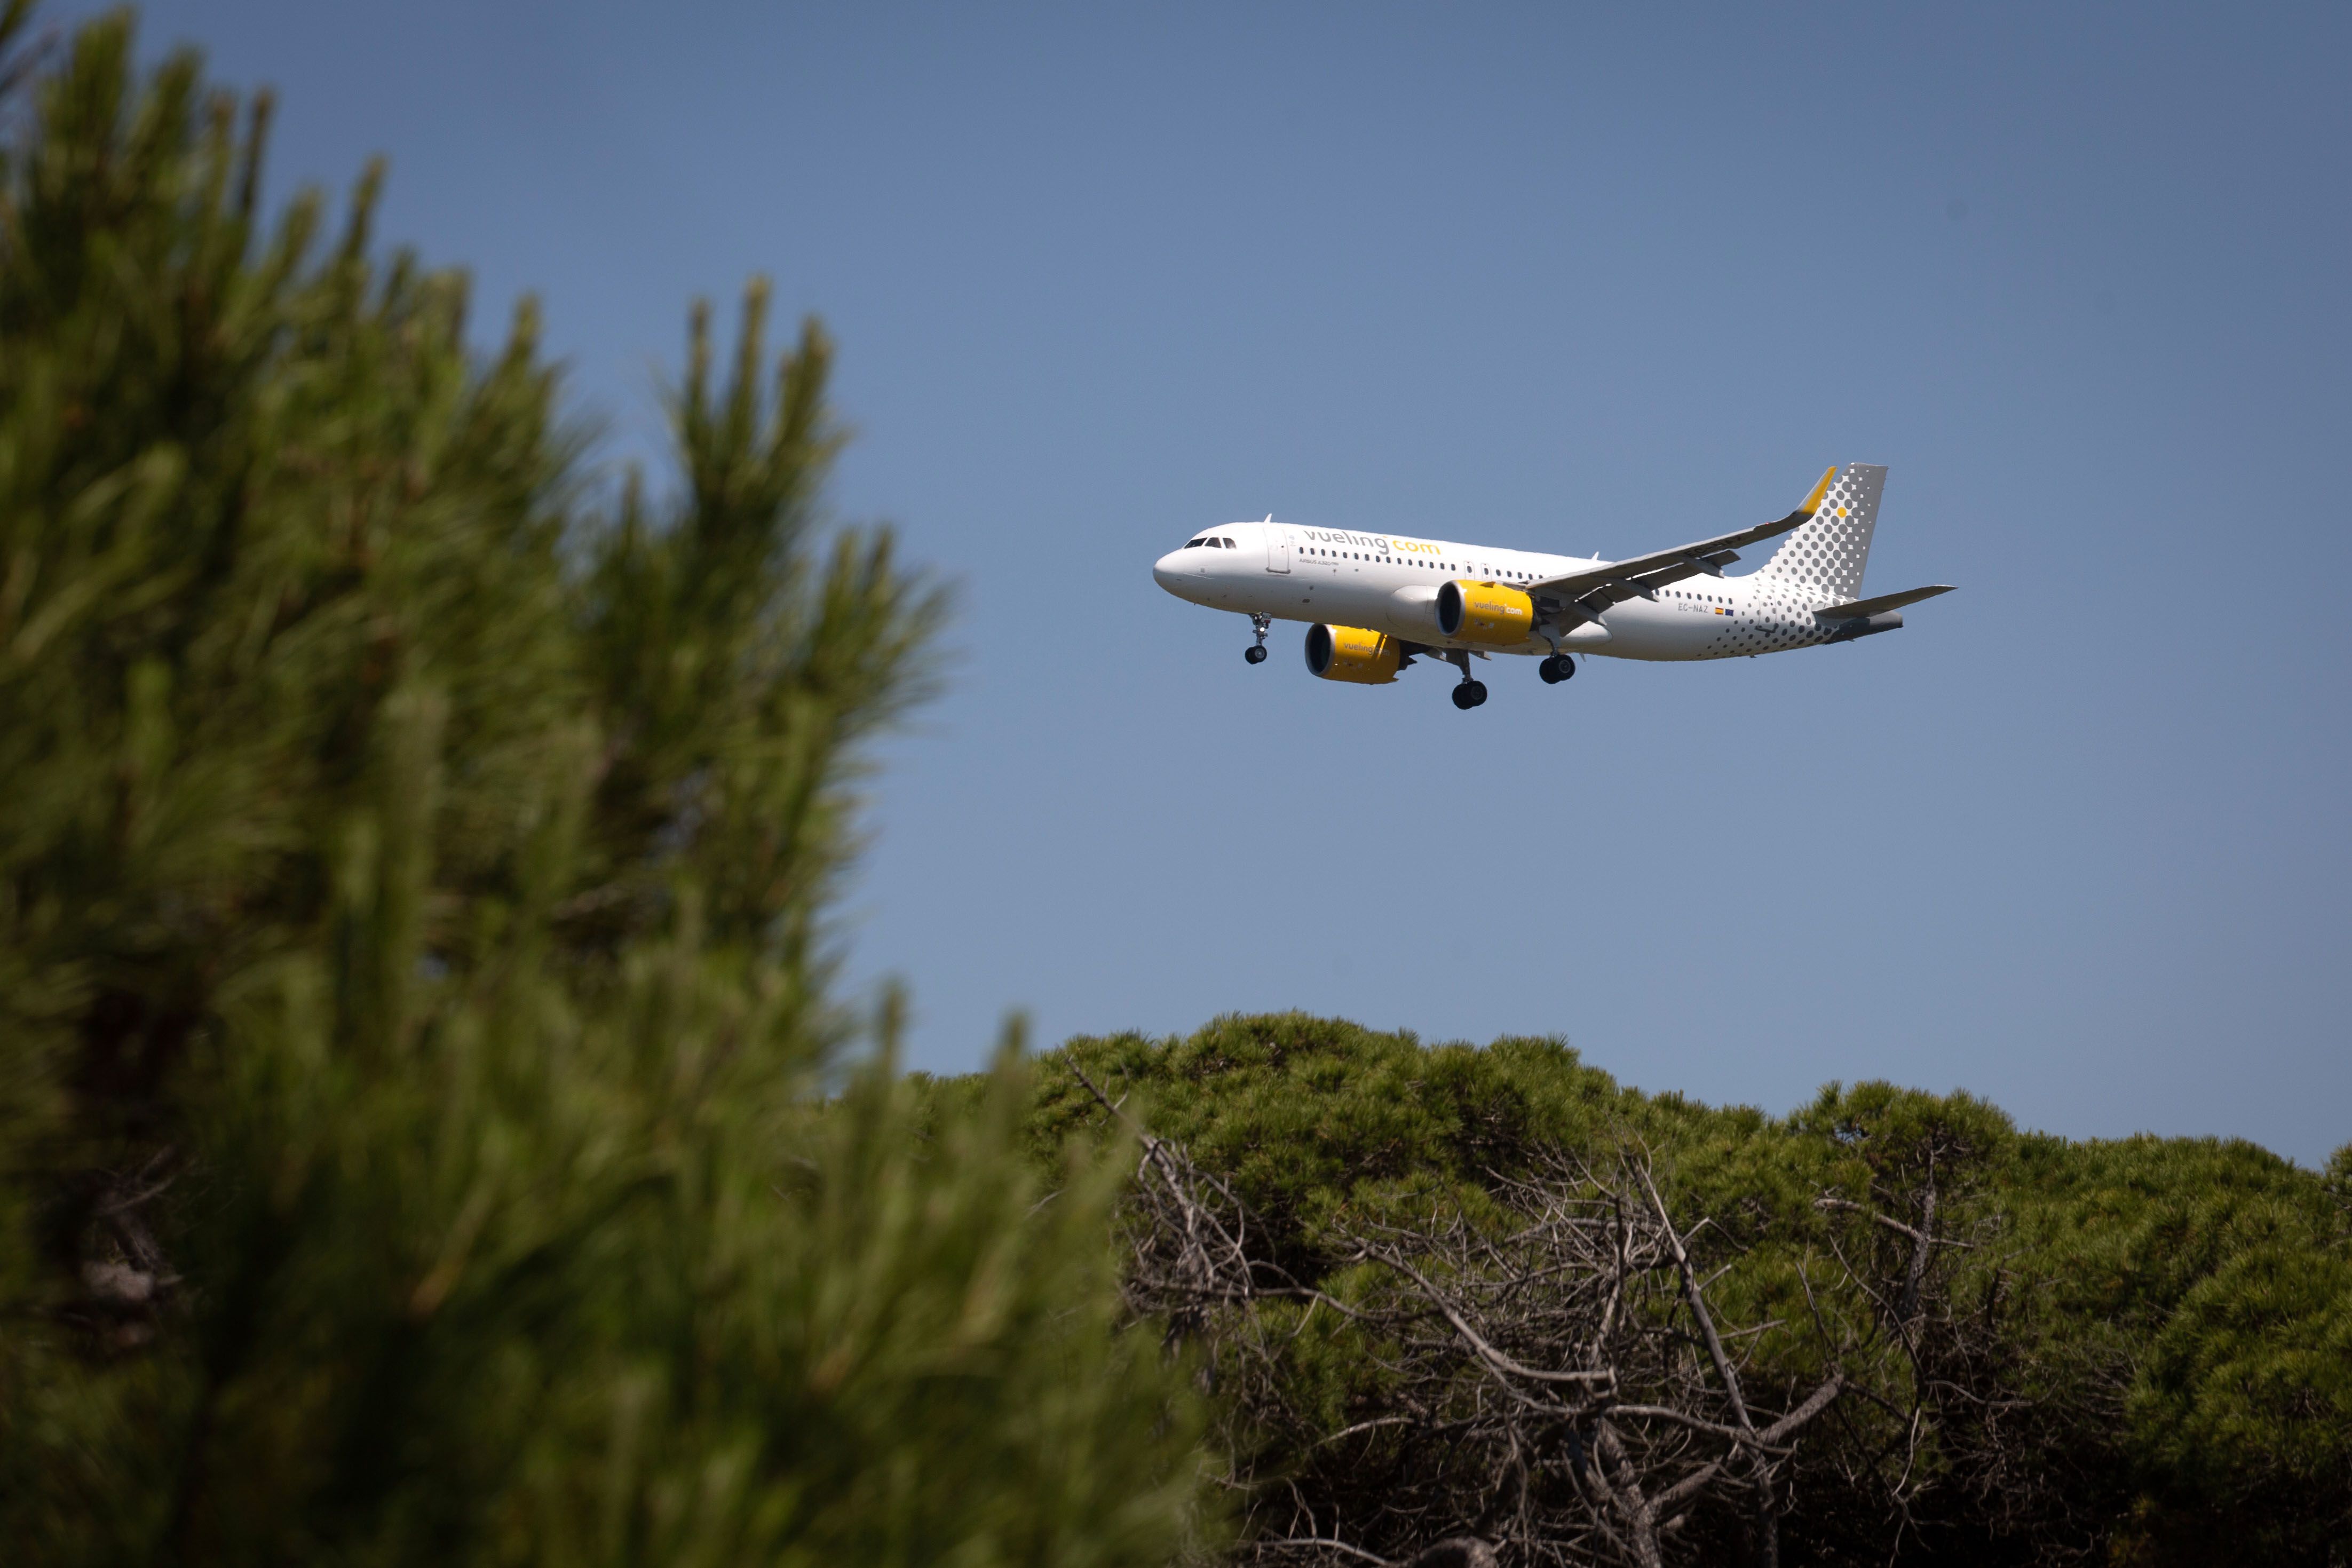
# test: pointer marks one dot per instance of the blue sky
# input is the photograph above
(2075, 839)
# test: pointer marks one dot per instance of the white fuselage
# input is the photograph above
(1387, 582)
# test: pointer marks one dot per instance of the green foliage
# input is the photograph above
(1307, 1115)
(413, 988)
(2141, 1347)
(2196, 1295)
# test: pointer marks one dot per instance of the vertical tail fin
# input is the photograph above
(1827, 555)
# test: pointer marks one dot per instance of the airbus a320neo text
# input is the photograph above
(1375, 601)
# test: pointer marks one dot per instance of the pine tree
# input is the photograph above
(415, 1017)
(2135, 1351)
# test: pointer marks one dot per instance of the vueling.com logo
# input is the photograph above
(1372, 542)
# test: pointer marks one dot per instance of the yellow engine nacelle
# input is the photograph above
(1351, 653)
(1484, 613)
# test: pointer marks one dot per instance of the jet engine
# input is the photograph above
(1485, 613)
(1351, 653)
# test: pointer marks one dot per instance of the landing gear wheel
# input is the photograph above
(1262, 623)
(1254, 655)
(1469, 694)
(1555, 668)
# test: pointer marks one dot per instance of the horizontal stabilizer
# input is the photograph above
(1860, 609)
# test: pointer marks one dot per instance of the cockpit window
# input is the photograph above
(1194, 544)
(1229, 545)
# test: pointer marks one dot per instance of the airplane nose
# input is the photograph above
(1167, 571)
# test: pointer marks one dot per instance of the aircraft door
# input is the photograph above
(1277, 549)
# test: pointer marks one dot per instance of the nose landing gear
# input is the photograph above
(1555, 668)
(1255, 654)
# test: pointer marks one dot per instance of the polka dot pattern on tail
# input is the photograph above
(1823, 560)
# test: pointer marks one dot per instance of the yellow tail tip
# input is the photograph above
(1813, 502)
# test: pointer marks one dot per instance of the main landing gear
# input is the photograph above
(1467, 693)
(1256, 654)
(1555, 668)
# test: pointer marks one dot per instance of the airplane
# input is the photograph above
(1376, 602)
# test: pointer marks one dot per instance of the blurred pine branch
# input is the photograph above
(413, 995)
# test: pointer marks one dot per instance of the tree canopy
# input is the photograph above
(2044, 1349)
(421, 1088)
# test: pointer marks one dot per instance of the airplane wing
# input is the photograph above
(1597, 587)
(1861, 608)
